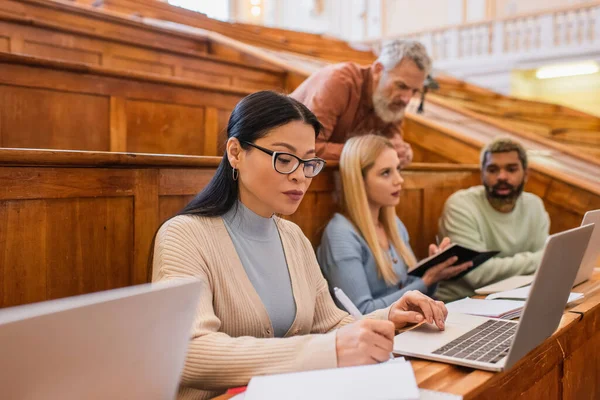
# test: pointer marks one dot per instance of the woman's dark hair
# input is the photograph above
(251, 119)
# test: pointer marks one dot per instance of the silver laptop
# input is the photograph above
(126, 343)
(586, 269)
(496, 344)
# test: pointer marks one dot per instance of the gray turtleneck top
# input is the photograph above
(257, 242)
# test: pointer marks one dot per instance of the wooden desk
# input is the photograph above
(564, 366)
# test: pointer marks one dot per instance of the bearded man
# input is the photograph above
(496, 216)
(352, 100)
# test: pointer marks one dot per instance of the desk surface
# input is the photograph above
(554, 370)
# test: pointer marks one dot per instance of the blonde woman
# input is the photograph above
(365, 250)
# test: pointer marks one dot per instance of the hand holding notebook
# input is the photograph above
(462, 254)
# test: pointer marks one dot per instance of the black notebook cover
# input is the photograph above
(464, 255)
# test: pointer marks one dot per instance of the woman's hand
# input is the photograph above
(414, 307)
(446, 269)
(367, 341)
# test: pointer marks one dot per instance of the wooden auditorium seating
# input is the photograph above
(47, 29)
(575, 129)
(59, 105)
(76, 222)
(313, 45)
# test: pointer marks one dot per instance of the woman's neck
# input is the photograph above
(254, 204)
(375, 212)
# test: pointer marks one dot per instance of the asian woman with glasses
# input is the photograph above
(265, 306)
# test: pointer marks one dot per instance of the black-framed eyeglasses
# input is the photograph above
(286, 163)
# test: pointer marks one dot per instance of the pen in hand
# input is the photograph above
(350, 307)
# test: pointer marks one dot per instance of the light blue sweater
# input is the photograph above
(348, 263)
(258, 245)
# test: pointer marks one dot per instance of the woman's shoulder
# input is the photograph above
(340, 229)
(340, 222)
(181, 227)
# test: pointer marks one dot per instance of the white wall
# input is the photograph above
(507, 8)
(358, 20)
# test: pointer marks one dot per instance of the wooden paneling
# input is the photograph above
(133, 64)
(4, 44)
(23, 278)
(97, 255)
(64, 106)
(68, 18)
(164, 128)
(46, 118)
(171, 205)
(57, 52)
(55, 37)
(306, 44)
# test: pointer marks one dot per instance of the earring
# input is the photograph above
(235, 174)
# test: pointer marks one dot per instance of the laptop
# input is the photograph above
(495, 344)
(127, 343)
(591, 260)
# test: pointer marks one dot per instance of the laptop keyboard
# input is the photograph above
(488, 343)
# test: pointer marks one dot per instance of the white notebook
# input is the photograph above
(506, 284)
(424, 394)
(506, 309)
(385, 381)
(523, 293)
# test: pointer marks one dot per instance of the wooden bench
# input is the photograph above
(58, 105)
(51, 30)
(564, 125)
(311, 45)
(77, 222)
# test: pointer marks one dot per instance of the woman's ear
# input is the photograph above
(234, 152)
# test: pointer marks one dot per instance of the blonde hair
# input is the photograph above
(358, 156)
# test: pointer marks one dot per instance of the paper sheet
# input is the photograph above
(385, 381)
(523, 293)
(487, 308)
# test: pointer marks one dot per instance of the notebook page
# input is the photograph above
(485, 308)
(385, 381)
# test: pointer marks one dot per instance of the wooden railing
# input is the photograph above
(529, 34)
(76, 222)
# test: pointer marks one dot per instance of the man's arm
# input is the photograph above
(458, 224)
(404, 150)
(327, 97)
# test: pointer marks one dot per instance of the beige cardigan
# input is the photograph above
(232, 337)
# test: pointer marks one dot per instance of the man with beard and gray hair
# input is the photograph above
(496, 216)
(352, 100)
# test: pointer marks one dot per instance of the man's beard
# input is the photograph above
(503, 199)
(382, 108)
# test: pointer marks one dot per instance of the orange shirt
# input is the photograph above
(341, 96)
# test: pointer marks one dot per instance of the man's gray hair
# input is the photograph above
(394, 51)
